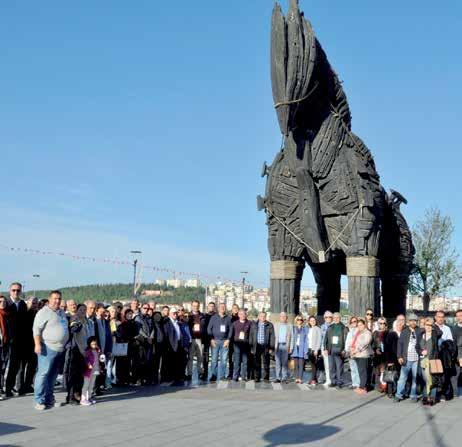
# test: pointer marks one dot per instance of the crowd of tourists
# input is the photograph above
(93, 347)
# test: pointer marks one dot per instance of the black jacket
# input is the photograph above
(203, 326)
(19, 325)
(328, 345)
(457, 336)
(270, 339)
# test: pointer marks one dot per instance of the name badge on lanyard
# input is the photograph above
(197, 327)
(335, 340)
(298, 340)
(222, 328)
(242, 335)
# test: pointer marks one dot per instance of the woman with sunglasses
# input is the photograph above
(352, 325)
(371, 324)
(314, 347)
(299, 347)
(378, 360)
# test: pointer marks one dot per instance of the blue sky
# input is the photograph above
(144, 125)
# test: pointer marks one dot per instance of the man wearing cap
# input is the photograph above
(408, 358)
(328, 317)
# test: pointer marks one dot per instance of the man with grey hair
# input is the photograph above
(262, 345)
(90, 318)
(282, 337)
(334, 347)
(328, 316)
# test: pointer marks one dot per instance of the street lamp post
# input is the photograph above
(35, 275)
(243, 287)
(135, 262)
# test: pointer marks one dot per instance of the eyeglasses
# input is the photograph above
(298, 319)
(383, 323)
(429, 325)
(15, 290)
(353, 321)
(370, 314)
(328, 317)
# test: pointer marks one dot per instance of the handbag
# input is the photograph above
(390, 375)
(436, 366)
(120, 349)
(291, 364)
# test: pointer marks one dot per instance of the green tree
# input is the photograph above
(436, 268)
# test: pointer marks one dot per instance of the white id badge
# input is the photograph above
(335, 340)
(197, 327)
(242, 335)
(222, 328)
(298, 340)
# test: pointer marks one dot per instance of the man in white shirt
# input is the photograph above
(440, 322)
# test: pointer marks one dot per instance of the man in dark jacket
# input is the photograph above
(219, 331)
(457, 336)
(211, 311)
(144, 345)
(262, 343)
(198, 330)
(20, 340)
(334, 348)
(174, 349)
(104, 337)
(234, 317)
(241, 336)
(408, 357)
(29, 367)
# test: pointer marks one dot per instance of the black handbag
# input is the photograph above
(390, 375)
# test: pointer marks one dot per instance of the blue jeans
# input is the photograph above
(49, 362)
(405, 369)
(221, 353)
(354, 373)
(282, 361)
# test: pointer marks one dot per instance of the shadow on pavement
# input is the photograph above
(298, 433)
(8, 429)
(302, 433)
(437, 436)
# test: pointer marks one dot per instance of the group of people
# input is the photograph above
(95, 347)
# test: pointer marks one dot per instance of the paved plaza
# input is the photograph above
(232, 414)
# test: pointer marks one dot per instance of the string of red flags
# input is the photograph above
(115, 261)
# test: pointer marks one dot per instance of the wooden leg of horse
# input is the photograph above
(286, 278)
(363, 285)
(328, 290)
(394, 292)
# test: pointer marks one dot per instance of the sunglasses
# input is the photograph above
(299, 319)
(382, 323)
(15, 290)
(370, 315)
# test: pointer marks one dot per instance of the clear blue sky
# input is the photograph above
(144, 125)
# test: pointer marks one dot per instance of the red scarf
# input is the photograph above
(3, 317)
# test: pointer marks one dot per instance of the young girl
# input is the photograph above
(92, 370)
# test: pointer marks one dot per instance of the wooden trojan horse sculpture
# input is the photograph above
(324, 202)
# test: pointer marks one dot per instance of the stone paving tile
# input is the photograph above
(241, 417)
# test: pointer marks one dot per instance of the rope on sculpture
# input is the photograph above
(296, 237)
(295, 101)
(284, 269)
(319, 254)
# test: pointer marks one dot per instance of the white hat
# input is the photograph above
(173, 309)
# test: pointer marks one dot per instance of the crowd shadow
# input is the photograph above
(9, 429)
(298, 433)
